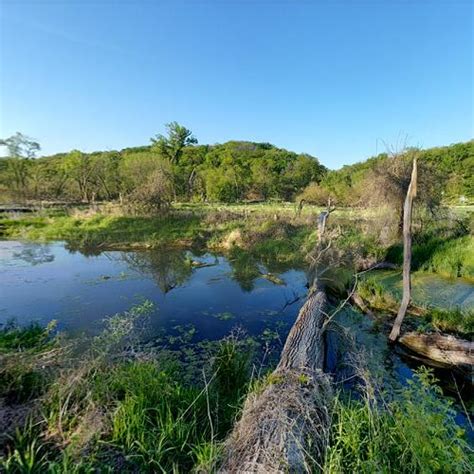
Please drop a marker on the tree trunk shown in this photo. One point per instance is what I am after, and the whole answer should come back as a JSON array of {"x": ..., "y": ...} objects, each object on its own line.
[
  {"x": 407, "y": 210},
  {"x": 446, "y": 350},
  {"x": 284, "y": 425}
]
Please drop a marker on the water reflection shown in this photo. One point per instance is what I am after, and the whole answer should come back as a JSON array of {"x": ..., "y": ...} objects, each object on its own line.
[
  {"x": 210, "y": 292},
  {"x": 30, "y": 254},
  {"x": 168, "y": 268}
]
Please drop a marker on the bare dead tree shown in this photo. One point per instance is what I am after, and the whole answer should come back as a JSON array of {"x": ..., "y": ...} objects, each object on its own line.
[
  {"x": 300, "y": 207},
  {"x": 407, "y": 253},
  {"x": 322, "y": 220}
]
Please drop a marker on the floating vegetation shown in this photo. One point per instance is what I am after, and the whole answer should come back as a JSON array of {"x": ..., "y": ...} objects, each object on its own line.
[{"x": 225, "y": 316}]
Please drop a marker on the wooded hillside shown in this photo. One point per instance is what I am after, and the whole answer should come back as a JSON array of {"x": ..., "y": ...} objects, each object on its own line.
[
  {"x": 450, "y": 168},
  {"x": 175, "y": 167}
]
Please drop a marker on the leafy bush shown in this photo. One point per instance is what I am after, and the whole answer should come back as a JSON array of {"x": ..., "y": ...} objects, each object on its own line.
[{"x": 414, "y": 433}]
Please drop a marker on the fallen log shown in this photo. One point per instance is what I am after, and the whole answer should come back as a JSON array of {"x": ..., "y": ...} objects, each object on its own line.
[
  {"x": 284, "y": 425},
  {"x": 443, "y": 349},
  {"x": 357, "y": 300}
]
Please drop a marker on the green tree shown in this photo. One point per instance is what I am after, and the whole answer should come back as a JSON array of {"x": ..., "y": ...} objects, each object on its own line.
[
  {"x": 172, "y": 146},
  {"x": 81, "y": 168},
  {"x": 221, "y": 185},
  {"x": 156, "y": 192},
  {"x": 21, "y": 149},
  {"x": 299, "y": 174}
]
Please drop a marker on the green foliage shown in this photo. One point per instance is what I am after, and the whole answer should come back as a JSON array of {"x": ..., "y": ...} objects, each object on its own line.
[
  {"x": 173, "y": 145},
  {"x": 450, "y": 256},
  {"x": 33, "y": 336},
  {"x": 28, "y": 455},
  {"x": 227, "y": 172},
  {"x": 452, "y": 320},
  {"x": 231, "y": 366},
  {"x": 416, "y": 432},
  {"x": 453, "y": 258},
  {"x": 107, "y": 412},
  {"x": 156, "y": 419},
  {"x": 22, "y": 375},
  {"x": 372, "y": 291},
  {"x": 452, "y": 166}
]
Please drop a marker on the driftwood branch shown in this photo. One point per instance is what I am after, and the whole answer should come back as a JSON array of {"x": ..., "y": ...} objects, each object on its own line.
[{"x": 407, "y": 211}]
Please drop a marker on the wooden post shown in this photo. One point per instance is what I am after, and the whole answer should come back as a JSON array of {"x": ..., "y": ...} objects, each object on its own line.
[{"x": 407, "y": 211}]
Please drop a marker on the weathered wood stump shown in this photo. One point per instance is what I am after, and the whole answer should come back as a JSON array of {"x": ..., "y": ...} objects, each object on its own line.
[{"x": 284, "y": 425}]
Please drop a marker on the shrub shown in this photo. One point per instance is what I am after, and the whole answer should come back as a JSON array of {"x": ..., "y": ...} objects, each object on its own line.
[{"x": 416, "y": 432}]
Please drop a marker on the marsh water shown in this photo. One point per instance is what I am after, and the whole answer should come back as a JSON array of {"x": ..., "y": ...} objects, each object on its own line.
[
  {"x": 432, "y": 290},
  {"x": 196, "y": 297},
  {"x": 206, "y": 295}
]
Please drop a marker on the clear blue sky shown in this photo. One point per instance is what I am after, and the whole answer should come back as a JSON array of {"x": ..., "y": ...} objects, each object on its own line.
[{"x": 330, "y": 78}]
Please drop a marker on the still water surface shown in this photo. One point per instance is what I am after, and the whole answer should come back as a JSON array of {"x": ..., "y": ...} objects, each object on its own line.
[
  {"x": 41, "y": 282},
  {"x": 203, "y": 297}
]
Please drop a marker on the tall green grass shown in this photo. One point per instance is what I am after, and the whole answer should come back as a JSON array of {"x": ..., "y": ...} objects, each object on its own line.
[
  {"x": 453, "y": 258},
  {"x": 26, "y": 356},
  {"x": 452, "y": 320},
  {"x": 414, "y": 433},
  {"x": 114, "y": 411}
]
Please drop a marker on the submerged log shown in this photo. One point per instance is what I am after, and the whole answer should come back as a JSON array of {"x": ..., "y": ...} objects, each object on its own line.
[
  {"x": 443, "y": 349},
  {"x": 284, "y": 425}
]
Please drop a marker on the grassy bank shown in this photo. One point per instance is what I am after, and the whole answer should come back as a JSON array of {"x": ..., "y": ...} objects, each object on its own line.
[
  {"x": 271, "y": 232},
  {"x": 448, "y": 256},
  {"x": 283, "y": 240},
  {"x": 385, "y": 301},
  {"x": 112, "y": 409}
]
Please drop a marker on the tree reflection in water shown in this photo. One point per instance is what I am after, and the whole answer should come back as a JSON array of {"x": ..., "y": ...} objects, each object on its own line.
[
  {"x": 34, "y": 254},
  {"x": 168, "y": 267}
]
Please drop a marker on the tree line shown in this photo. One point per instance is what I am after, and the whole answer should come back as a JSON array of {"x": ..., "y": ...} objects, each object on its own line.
[
  {"x": 172, "y": 168},
  {"x": 446, "y": 174}
]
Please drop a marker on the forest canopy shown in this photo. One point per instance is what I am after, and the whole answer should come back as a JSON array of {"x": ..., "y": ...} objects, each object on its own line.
[
  {"x": 447, "y": 170},
  {"x": 176, "y": 168}
]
